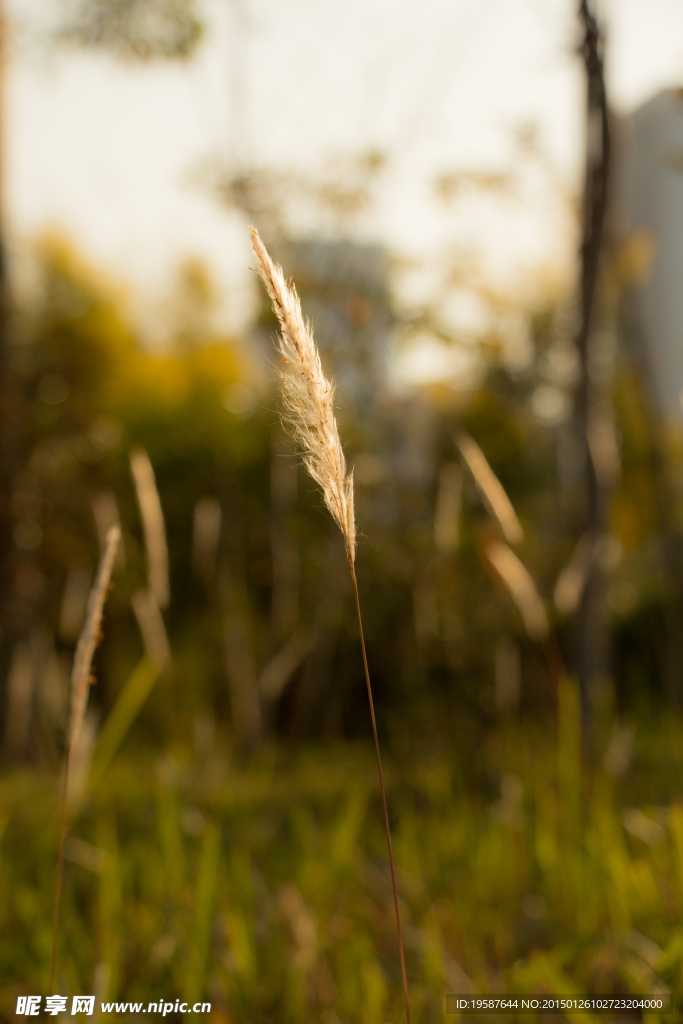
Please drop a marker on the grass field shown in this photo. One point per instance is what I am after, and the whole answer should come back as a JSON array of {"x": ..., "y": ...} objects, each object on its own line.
[{"x": 264, "y": 886}]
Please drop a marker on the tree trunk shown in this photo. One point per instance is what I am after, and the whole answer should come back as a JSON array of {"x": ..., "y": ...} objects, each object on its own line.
[{"x": 590, "y": 628}]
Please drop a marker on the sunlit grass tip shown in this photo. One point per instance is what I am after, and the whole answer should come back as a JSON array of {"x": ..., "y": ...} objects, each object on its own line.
[{"x": 307, "y": 398}]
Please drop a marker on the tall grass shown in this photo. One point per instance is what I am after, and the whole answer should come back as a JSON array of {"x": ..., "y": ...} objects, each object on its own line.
[
  {"x": 309, "y": 413},
  {"x": 147, "y": 606}
]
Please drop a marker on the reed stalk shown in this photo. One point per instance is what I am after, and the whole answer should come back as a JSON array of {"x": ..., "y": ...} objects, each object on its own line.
[
  {"x": 522, "y": 589},
  {"x": 309, "y": 414},
  {"x": 491, "y": 489},
  {"x": 80, "y": 686},
  {"x": 152, "y": 524},
  {"x": 508, "y": 566}
]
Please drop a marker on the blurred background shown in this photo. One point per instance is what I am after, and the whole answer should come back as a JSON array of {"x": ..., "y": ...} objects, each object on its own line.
[{"x": 481, "y": 206}]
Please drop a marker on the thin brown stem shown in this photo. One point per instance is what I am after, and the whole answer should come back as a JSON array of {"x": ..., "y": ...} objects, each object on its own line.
[
  {"x": 382, "y": 790},
  {"x": 60, "y": 873},
  {"x": 80, "y": 686}
]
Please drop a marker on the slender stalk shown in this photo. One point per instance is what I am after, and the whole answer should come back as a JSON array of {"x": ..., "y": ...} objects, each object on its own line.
[
  {"x": 152, "y": 524},
  {"x": 382, "y": 790},
  {"x": 60, "y": 874},
  {"x": 80, "y": 686}
]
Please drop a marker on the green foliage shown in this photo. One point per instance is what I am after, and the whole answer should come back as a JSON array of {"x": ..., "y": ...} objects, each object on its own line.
[
  {"x": 435, "y": 613},
  {"x": 92, "y": 392},
  {"x": 266, "y": 889}
]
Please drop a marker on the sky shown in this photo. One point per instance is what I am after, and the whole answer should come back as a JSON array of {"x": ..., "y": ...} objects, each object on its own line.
[{"x": 112, "y": 155}]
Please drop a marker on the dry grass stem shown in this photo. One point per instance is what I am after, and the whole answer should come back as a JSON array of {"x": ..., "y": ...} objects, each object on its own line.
[
  {"x": 307, "y": 398},
  {"x": 448, "y": 504},
  {"x": 491, "y": 489},
  {"x": 152, "y": 524},
  {"x": 310, "y": 416},
  {"x": 572, "y": 580},
  {"x": 206, "y": 531},
  {"x": 105, "y": 509},
  {"x": 284, "y": 663},
  {"x": 79, "y": 764},
  {"x": 152, "y": 628},
  {"x": 522, "y": 588},
  {"x": 90, "y": 635},
  {"x": 80, "y": 687}
]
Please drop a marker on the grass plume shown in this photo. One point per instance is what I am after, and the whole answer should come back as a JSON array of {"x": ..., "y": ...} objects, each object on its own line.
[
  {"x": 80, "y": 688},
  {"x": 309, "y": 413},
  {"x": 308, "y": 399}
]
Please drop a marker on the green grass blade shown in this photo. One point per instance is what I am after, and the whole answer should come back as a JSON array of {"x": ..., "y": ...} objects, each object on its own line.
[
  {"x": 122, "y": 716},
  {"x": 206, "y": 891}
]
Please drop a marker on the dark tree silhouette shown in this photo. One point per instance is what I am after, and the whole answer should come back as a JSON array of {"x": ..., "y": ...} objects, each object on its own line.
[{"x": 590, "y": 625}]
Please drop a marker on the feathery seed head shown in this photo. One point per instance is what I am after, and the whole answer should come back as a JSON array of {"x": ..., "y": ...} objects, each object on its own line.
[{"x": 308, "y": 398}]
